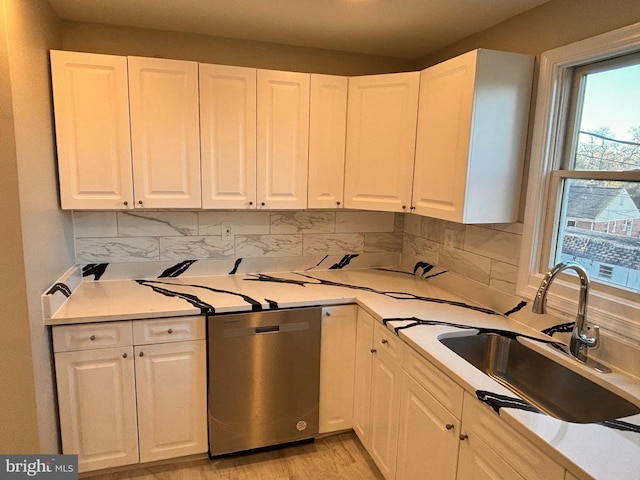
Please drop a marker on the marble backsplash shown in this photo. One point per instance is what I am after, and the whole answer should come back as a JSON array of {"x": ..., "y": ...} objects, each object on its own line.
[
  {"x": 487, "y": 254},
  {"x": 143, "y": 243}
]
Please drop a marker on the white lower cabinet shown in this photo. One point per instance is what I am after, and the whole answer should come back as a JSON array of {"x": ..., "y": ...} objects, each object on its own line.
[
  {"x": 170, "y": 388},
  {"x": 97, "y": 403},
  {"x": 337, "y": 367},
  {"x": 124, "y": 398},
  {"x": 418, "y": 424},
  {"x": 486, "y": 439},
  {"x": 428, "y": 441},
  {"x": 377, "y": 391}
]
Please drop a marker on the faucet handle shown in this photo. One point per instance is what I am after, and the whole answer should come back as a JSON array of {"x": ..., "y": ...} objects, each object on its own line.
[{"x": 591, "y": 342}]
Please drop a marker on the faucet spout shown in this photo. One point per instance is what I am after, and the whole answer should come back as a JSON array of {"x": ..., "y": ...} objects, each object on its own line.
[{"x": 580, "y": 339}]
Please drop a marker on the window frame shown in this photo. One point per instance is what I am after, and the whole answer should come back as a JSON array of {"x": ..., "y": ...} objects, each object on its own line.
[{"x": 609, "y": 307}]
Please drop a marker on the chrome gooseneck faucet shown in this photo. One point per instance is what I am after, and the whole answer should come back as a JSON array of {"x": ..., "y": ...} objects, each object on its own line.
[{"x": 580, "y": 340}]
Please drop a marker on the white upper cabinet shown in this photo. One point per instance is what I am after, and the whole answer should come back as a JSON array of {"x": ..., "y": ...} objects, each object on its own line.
[
  {"x": 165, "y": 132},
  {"x": 327, "y": 136},
  {"x": 228, "y": 136},
  {"x": 283, "y": 139},
  {"x": 92, "y": 130},
  {"x": 381, "y": 132},
  {"x": 472, "y": 127}
]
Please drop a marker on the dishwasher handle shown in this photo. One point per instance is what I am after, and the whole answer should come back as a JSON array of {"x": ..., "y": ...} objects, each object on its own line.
[{"x": 268, "y": 329}]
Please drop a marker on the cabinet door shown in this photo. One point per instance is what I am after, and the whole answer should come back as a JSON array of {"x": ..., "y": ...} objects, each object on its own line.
[
  {"x": 337, "y": 367},
  {"x": 283, "y": 139},
  {"x": 91, "y": 105},
  {"x": 483, "y": 427},
  {"x": 381, "y": 133},
  {"x": 171, "y": 389},
  {"x": 428, "y": 438},
  {"x": 477, "y": 461},
  {"x": 327, "y": 136},
  {"x": 386, "y": 382},
  {"x": 362, "y": 385},
  {"x": 471, "y": 135},
  {"x": 97, "y": 404},
  {"x": 228, "y": 136},
  {"x": 165, "y": 132},
  {"x": 444, "y": 126}
]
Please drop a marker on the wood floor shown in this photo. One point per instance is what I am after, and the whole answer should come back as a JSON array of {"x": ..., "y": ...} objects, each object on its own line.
[{"x": 334, "y": 457}]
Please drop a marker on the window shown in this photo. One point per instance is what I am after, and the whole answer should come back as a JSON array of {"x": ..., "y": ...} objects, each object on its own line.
[
  {"x": 601, "y": 144},
  {"x": 584, "y": 175}
]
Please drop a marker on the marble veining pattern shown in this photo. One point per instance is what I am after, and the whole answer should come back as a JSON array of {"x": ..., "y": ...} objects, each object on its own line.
[
  {"x": 91, "y": 250},
  {"x": 382, "y": 242},
  {"x": 195, "y": 247},
  {"x": 94, "y": 224},
  {"x": 333, "y": 243},
  {"x": 268, "y": 245},
  {"x": 351, "y": 222},
  {"x": 156, "y": 224},
  {"x": 303, "y": 222}
]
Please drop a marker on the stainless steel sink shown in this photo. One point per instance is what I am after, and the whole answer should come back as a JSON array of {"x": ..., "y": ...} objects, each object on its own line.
[{"x": 546, "y": 384}]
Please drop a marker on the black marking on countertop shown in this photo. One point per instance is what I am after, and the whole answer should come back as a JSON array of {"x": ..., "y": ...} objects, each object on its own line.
[
  {"x": 498, "y": 401},
  {"x": 177, "y": 270},
  {"x": 391, "y": 294},
  {"x": 204, "y": 307},
  {"x": 262, "y": 277},
  {"x": 318, "y": 264},
  {"x": 273, "y": 305},
  {"x": 480, "y": 330},
  {"x": 193, "y": 299},
  {"x": 235, "y": 266},
  {"x": 560, "y": 328},
  {"x": 344, "y": 261},
  {"x": 517, "y": 308},
  {"x": 95, "y": 269},
  {"x": 59, "y": 287}
]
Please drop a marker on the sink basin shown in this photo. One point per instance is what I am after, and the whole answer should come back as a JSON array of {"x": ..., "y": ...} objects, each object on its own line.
[{"x": 546, "y": 384}]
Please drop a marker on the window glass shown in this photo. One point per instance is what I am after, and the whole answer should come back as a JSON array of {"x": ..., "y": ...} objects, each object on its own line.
[
  {"x": 608, "y": 128},
  {"x": 599, "y": 218}
]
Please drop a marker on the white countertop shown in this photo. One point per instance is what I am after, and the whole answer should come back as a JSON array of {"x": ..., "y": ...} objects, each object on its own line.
[{"x": 587, "y": 450}]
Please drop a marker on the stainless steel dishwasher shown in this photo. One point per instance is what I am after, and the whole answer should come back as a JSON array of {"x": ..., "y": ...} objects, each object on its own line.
[{"x": 264, "y": 376}]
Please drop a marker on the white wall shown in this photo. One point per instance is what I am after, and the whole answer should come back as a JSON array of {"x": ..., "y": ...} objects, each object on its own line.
[{"x": 33, "y": 29}]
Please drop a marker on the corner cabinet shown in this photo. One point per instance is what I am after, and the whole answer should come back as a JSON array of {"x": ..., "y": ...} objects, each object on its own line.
[
  {"x": 91, "y": 100},
  {"x": 129, "y": 394},
  {"x": 282, "y": 139},
  {"x": 381, "y": 132},
  {"x": 472, "y": 127}
]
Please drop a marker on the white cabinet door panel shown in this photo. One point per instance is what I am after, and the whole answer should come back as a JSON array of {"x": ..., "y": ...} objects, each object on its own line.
[
  {"x": 362, "y": 385},
  {"x": 381, "y": 133},
  {"x": 337, "y": 367},
  {"x": 283, "y": 139},
  {"x": 171, "y": 390},
  {"x": 327, "y": 137},
  {"x": 228, "y": 136},
  {"x": 165, "y": 132},
  {"x": 91, "y": 101},
  {"x": 97, "y": 404},
  {"x": 428, "y": 438}
]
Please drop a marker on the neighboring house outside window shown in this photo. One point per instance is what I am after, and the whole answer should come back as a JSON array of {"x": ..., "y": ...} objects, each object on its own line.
[{"x": 584, "y": 183}]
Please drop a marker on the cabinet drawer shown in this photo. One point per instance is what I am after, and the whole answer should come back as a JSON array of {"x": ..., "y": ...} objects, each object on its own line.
[
  {"x": 384, "y": 340},
  {"x": 89, "y": 336},
  {"x": 529, "y": 461},
  {"x": 434, "y": 381},
  {"x": 163, "y": 330}
]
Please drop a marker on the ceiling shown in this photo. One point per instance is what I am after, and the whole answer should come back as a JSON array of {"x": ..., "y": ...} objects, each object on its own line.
[{"x": 407, "y": 29}]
